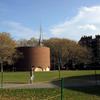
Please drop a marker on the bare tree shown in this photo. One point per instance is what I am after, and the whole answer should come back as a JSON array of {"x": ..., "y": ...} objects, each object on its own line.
[
  {"x": 30, "y": 42},
  {"x": 70, "y": 51}
]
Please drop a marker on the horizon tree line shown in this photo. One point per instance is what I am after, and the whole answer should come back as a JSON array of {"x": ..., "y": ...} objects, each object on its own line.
[{"x": 72, "y": 54}]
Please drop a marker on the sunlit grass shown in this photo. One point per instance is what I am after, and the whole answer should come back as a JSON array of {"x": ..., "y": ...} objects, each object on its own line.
[
  {"x": 87, "y": 93},
  {"x": 24, "y": 77}
]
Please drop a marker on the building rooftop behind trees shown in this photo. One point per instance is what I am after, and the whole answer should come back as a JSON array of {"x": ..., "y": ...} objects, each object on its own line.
[{"x": 94, "y": 44}]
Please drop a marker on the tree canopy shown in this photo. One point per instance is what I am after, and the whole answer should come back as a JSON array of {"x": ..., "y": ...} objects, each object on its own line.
[
  {"x": 7, "y": 48},
  {"x": 31, "y": 42},
  {"x": 70, "y": 51}
]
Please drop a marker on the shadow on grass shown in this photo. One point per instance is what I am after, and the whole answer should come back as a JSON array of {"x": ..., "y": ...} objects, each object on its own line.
[{"x": 89, "y": 84}]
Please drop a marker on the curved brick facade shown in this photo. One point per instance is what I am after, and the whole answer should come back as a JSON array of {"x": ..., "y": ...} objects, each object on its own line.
[
  {"x": 37, "y": 57},
  {"x": 23, "y": 63},
  {"x": 40, "y": 57}
]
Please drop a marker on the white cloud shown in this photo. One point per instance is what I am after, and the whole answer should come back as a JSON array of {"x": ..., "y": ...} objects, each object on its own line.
[
  {"x": 19, "y": 31},
  {"x": 86, "y": 22},
  {"x": 88, "y": 27}
]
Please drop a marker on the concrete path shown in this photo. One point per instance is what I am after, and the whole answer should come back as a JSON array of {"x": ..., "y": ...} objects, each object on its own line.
[
  {"x": 29, "y": 86},
  {"x": 51, "y": 85}
]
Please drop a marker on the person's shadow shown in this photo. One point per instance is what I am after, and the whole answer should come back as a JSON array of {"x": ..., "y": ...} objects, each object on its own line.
[{"x": 89, "y": 84}]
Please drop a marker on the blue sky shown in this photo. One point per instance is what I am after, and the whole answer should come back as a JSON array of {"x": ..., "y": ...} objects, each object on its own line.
[{"x": 59, "y": 18}]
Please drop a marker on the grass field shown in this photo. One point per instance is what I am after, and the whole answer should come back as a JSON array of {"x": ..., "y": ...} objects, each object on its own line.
[
  {"x": 69, "y": 93},
  {"x": 24, "y": 77},
  {"x": 87, "y": 93}
]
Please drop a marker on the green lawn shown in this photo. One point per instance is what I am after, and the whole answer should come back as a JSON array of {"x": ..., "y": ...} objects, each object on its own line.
[
  {"x": 83, "y": 93},
  {"x": 24, "y": 77},
  {"x": 87, "y": 93}
]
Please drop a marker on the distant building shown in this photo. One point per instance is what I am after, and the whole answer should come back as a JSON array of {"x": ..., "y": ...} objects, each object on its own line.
[
  {"x": 35, "y": 58},
  {"x": 94, "y": 44}
]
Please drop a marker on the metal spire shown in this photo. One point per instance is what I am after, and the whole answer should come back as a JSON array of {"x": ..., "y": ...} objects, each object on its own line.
[{"x": 40, "y": 38}]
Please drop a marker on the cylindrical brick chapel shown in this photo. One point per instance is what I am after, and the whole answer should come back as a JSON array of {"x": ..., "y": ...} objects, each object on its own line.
[{"x": 40, "y": 58}]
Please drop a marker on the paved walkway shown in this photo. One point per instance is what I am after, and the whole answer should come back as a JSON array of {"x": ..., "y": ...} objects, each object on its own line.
[
  {"x": 28, "y": 86},
  {"x": 75, "y": 83}
]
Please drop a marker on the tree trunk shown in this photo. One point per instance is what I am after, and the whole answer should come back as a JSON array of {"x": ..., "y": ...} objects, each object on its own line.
[{"x": 1, "y": 74}]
